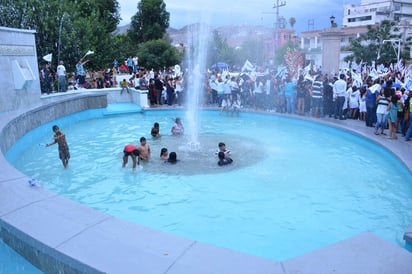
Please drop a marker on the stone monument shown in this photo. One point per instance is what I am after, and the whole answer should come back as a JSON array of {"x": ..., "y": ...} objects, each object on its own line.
[
  {"x": 19, "y": 80},
  {"x": 331, "y": 44}
]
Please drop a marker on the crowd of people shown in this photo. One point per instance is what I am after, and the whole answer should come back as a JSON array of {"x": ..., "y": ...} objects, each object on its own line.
[
  {"x": 350, "y": 94},
  {"x": 380, "y": 100}
]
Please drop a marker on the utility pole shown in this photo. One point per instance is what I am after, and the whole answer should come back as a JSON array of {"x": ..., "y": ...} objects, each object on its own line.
[{"x": 276, "y": 6}]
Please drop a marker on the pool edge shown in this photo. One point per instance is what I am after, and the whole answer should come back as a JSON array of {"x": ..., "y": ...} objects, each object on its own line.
[{"x": 111, "y": 245}]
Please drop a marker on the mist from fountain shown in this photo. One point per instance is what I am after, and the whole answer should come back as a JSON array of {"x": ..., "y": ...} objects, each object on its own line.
[{"x": 195, "y": 58}]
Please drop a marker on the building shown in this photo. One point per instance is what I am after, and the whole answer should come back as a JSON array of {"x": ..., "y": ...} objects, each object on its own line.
[
  {"x": 354, "y": 23},
  {"x": 372, "y": 12}
]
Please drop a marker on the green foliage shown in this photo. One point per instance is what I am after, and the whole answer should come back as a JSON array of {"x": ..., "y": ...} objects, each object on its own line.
[
  {"x": 158, "y": 54},
  {"x": 67, "y": 29},
  {"x": 252, "y": 50},
  {"x": 371, "y": 47},
  {"x": 218, "y": 50},
  {"x": 150, "y": 22},
  {"x": 280, "y": 53}
]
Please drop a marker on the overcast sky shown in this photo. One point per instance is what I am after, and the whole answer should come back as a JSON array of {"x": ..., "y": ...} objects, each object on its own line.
[{"x": 251, "y": 12}]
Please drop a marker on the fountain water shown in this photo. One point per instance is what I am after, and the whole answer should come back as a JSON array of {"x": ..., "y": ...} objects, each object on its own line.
[{"x": 196, "y": 56}]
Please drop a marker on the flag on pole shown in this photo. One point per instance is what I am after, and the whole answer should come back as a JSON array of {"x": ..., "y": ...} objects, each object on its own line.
[
  {"x": 48, "y": 57},
  {"x": 87, "y": 53}
]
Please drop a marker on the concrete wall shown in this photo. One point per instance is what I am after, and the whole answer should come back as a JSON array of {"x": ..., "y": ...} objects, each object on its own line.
[
  {"x": 33, "y": 118},
  {"x": 19, "y": 81}
]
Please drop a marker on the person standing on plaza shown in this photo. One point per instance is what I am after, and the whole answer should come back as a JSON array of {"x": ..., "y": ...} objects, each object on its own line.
[
  {"x": 170, "y": 90},
  {"x": 129, "y": 62},
  {"x": 81, "y": 73},
  {"x": 339, "y": 93},
  {"x": 383, "y": 101},
  {"x": 48, "y": 78},
  {"x": 159, "y": 85},
  {"x": 327, "y": 97},
  {"x": 372, "y": 93},
  {"x": 290, "y": 95},
  {"x": 61, "y": 76},
  {"x": 135, "y": 60},
  {"x": 317, "y": 100}
]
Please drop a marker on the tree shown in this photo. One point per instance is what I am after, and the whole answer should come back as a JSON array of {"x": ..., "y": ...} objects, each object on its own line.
[
  {"x": 292, "y": 22},
  {"x": 253, "y": 50},
  {"x": 371, "y": 47},
  {"x": 65, "y": 28},
  {"x": 219, "y": 50},
  {"x": 150, "y": 22},
  {"x": 158, "y": 54},
  {"x": 280, "y": 53}
]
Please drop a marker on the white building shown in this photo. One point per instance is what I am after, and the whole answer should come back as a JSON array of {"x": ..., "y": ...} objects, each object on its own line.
[
  {"x": 372, "y": 12},
  {"x": 354, "y": 23}
]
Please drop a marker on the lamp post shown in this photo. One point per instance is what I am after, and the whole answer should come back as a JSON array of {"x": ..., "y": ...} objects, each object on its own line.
[
  {"x": 60, "y": 32},
  {"x": 58, "y": 46},
  {"x": 332, "y": 22},
  {"x": 276, "y": 6}
]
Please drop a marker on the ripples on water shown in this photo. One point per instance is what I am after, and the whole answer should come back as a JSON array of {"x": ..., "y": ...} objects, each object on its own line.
[{"x": 294, "y": 186}]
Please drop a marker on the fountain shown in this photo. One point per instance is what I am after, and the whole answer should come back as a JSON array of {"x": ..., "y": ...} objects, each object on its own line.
[{"x": 196, "y": 56}]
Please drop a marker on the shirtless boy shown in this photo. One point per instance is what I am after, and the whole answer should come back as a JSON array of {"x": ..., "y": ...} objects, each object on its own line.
[
  {"x": 60, "y": 139},
  {"x": 144, "y": 149}
]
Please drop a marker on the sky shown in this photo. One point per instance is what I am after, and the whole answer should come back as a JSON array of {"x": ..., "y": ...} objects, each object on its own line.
[{"x": 246, "y": 12}]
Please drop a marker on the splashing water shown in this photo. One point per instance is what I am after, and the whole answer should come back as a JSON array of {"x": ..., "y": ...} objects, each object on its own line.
[{"x": 196, "y": 56}]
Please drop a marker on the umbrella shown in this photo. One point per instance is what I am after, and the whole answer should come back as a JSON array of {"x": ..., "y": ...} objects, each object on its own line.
[{"x": 220, "y": 65}]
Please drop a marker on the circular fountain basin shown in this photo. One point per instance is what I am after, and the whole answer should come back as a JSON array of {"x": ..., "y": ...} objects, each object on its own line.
[{"x": 289, "y": 179}]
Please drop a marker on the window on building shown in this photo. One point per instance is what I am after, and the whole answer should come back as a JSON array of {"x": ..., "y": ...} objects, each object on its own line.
[
  {"x": 360, "y": 19},
  {"x": 397, "y": 6}
]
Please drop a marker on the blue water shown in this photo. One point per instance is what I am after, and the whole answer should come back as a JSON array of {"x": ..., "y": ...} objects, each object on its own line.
[
  {"x": 294, "y": 186},
  {"x": 12, "y": 262}
]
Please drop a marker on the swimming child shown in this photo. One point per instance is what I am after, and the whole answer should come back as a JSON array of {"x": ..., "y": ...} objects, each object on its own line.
[
  {"x": 60, "y": 139},
  {"x": 222, "y": 148},
  {"x": 164, "y": 154},
  {"x": 223, "y": 159},
  {"x": 155, "y": 130},
  {"x": 172, "y": 158},
  {"x": 132, "y": 151},
  {"x": 177, "y": 128}
]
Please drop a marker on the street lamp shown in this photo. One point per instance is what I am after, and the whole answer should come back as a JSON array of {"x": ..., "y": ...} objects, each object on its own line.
[
  {"x": 332, "y": 22},
  {"x": 60, "y": 33}
]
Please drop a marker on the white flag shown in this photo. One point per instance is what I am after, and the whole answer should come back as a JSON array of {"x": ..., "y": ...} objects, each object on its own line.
[
  {"x": 89, "y": 52},
  {"x": 48, "y": 57}
]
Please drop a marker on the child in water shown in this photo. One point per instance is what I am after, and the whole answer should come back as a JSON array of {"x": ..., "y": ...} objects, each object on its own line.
[
  {"x": 177, "y": 128},
  {"x": 224, "y": 160},
  {"x": 155, "y": 130},
  {"x": 164, "y": 154},
  {"x": 60, "y": 139}
]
